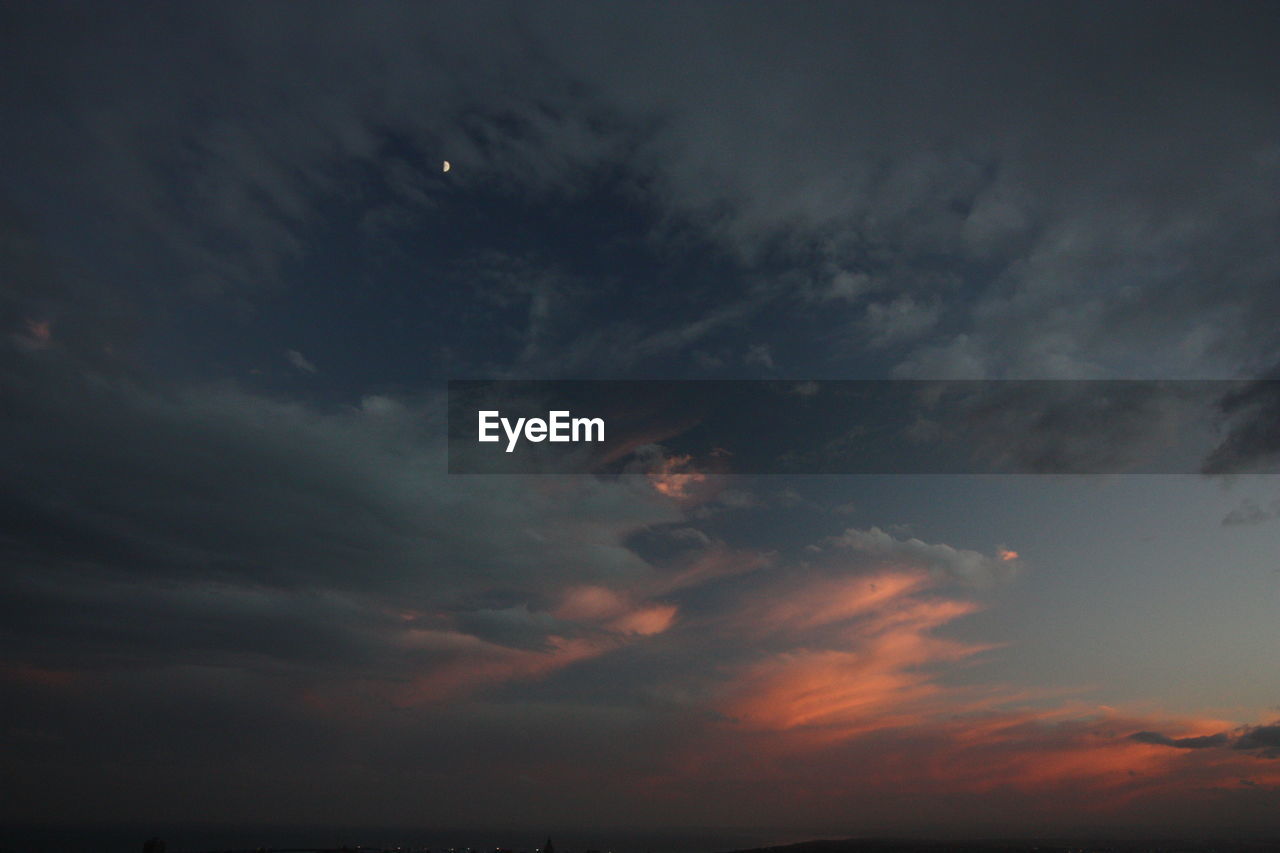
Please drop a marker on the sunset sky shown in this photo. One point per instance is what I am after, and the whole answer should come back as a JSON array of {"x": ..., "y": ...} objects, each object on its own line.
[{"x": 238, "y": 585}]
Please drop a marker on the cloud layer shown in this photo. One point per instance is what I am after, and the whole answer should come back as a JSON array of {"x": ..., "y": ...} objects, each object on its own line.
[{"x": 236, "y": 582}]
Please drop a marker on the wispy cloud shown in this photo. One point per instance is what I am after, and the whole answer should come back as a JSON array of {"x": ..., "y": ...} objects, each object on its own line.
[{"x": 299, "y": 361}]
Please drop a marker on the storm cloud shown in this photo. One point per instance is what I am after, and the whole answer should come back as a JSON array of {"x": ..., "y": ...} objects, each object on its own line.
[{"x": 237, "y": 582}]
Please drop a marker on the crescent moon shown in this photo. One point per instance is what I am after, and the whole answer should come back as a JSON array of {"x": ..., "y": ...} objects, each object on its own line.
[{"x": 446, "y": 167}]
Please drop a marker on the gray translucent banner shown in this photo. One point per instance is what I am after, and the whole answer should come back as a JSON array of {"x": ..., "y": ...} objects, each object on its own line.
[{"x": 864, "y": 427}]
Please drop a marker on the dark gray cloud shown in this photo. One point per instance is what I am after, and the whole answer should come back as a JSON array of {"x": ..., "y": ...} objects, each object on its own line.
[
  {"x": 1265, "y": 739},
  {"x": 231, "y": 269},
  {"x": 1252, "y": 442},
  {"x": 1203, "y": 742},
  {"x": 1249, "y": 512},
  {"x": 212, "y": 523},
  {"x": 1262, "y": 740},
  {"x": 1019, "y": 191},
  {"x": 1070, "y": 426}
]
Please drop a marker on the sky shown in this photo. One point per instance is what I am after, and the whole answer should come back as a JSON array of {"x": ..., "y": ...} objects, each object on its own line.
[{"x": 238, "y": 585}]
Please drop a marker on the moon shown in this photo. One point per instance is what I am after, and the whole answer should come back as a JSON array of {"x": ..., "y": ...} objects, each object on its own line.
[{"x": 446, "y": 167}]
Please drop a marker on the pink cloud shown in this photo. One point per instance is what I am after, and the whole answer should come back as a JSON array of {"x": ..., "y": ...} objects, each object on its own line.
[
  {"x": 676, "y": 477},
  {"x": 809, "y": 693}
]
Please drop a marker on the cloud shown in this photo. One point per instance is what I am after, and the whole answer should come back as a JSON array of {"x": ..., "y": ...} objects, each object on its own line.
[
  {"x": 674, "y": 476},
  {"x": 665, "y": 544},
  {"x": 849, "y": 286},
  {"x": 185, "y": 512},
  {"x": 299, "y": 361},
  {"x": 724, "y": 672},
  {"x": 210, "y": 571},
  {"x": 834, "y": 683},
  {"x": 1202, "y": 742},
  {"x": 880, "y": 659},
  {"x": 1253, "y": 441},
  {"x": 940, "y": 559},
  {"x": 1070, "y": 426},
  {"x": 1263, "y": 740},
  {"x": 1034, "y": 229},
  {"x": 38, "y": 332},
  {"x": 759, "y": 354},
  {"x": 901, "y": 321},
  {"x": 1250, "y": 513}
]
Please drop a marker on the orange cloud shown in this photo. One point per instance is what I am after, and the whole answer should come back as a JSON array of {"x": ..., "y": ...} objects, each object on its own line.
[
  {"x": 645, "y": 621},
  {"x": 615, "y": 611},
  {"x": 878, "y": 650},
  {"x": 816, "y": 692},
  {"x": 590, "y": 604},
  {"x": 675, "y": 478},
  {"x": 453, "y": 664},
  {"x": 848, "y": 701},
  {"x": 712, "y": 564},
  {"x": 827, "y": 601},
  {"x": 480, "y": 664}
]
